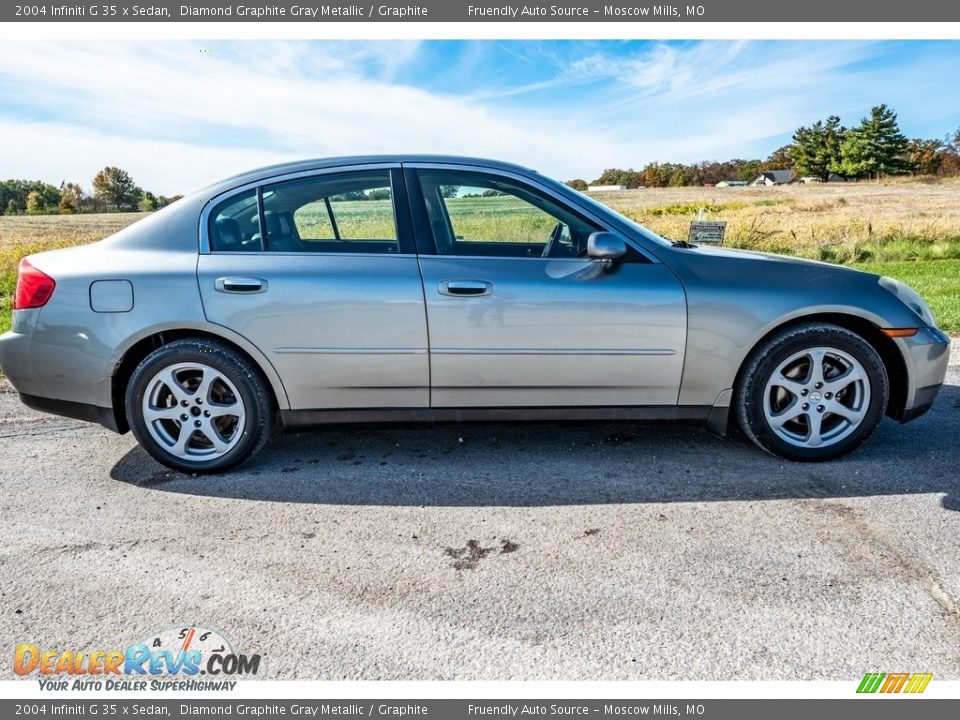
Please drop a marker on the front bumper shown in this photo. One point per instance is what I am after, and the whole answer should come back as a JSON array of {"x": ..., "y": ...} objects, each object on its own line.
[{"x": 926, "y": 355}]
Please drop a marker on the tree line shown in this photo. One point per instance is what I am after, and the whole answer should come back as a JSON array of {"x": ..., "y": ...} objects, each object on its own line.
[
  {"x": 112, "y": 190},
  {"x": 874, "y": 148}
]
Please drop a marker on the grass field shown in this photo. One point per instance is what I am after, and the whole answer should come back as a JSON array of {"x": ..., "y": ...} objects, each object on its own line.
[
  {"x": 908, "y": 230},
  {"x": 839, "y": 222}
]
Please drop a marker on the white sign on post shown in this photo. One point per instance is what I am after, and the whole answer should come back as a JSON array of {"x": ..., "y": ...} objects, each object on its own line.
[{"x": 707, "y": 232}]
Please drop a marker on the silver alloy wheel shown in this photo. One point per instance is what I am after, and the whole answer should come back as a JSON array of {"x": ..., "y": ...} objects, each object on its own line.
[
  {"x": 193, "y": 411},
  {"x": 816, "y": 397}
]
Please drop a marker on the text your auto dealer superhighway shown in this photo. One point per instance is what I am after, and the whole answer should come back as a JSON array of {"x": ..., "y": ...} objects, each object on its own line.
[{"x": 303, "y": 12}]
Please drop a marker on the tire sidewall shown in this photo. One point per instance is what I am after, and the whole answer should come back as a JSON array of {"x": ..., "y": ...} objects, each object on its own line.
[
  {"x": 751, "y": 399},
  {"x": 222, "y": 360}
]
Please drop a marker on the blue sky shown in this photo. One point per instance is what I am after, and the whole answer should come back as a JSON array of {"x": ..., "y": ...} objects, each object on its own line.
[{"x": 178, "y": 115}]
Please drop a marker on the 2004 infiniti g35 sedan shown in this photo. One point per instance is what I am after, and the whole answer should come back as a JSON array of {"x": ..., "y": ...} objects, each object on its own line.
[{"x": 440, "y": 288}]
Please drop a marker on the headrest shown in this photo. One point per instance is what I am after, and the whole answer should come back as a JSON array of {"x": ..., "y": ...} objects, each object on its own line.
[
  {"x": 228, "y": 234},
  {"x": 278, "y": 223}
]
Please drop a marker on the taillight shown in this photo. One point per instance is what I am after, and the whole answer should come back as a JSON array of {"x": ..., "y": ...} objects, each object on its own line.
[{"x": 34, "y": 288}]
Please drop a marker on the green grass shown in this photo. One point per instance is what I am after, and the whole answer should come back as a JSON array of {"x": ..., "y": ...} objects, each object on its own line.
[
  {"x": 938, "y": 281},
  {"x": 8, "y": 280},
  {"x": 692, "y": 209},
  {"x": 356, "y": 220}
]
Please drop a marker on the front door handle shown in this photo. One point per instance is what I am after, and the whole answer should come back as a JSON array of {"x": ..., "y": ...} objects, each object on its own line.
[
  {"x": 242, "y": 285},
  {"x": 466, "y": 288}
]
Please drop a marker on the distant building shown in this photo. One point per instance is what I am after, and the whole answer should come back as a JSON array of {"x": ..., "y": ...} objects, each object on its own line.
[
  {"x": 604, "y": 188},
  {"x": 731, "y": 183},
  {"x": 833, "y": 177},
  {"x": 770, "y": 178}
]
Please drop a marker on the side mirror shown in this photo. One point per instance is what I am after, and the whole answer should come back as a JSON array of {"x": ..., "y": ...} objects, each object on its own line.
[{"x": 606, "y": 246}]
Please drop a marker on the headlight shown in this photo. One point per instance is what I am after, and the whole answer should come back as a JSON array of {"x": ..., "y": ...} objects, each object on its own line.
[{"x": 909, "y": 297}]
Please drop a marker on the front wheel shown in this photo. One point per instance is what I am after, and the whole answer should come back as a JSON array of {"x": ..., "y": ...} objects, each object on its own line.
[
  {"x": 814, "y": 392},
  {"x": 198, "y": 406}
]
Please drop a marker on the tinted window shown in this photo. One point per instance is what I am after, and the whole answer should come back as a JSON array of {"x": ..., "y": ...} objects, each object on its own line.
[
  {"x": 233, "y": 224},
  {"x": 486, "y": 215},
  {"x": 341, "y": 213},
  {"x": 349, "y": 212}
]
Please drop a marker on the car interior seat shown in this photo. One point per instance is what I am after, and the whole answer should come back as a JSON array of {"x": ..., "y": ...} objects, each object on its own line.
[
  {"x": 281, "y": 232},
  {"x": 228, "y": 235}
]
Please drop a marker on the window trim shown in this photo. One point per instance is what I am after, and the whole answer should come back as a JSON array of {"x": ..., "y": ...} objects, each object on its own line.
[
  {"x": 264, "y": 236},
  {"x": 405, "y": 236},
  {"x": 429, "y": 246}
]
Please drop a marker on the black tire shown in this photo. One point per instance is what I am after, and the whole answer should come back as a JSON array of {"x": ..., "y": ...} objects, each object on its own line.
[
  {"x": 751, "y": 396},
  {"x": 257, "y": 403}
]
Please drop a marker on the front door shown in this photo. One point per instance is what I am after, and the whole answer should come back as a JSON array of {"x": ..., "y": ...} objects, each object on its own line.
[
  {"x": 319, "y": 274},
  {"x": 520, "y": 317}
]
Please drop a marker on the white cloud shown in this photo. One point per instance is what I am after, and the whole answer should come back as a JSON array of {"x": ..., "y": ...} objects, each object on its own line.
[
  {"x": 55, "y": 152},
  {"x": 175, "y": 117},
  {"x": 178, "y": 115}
]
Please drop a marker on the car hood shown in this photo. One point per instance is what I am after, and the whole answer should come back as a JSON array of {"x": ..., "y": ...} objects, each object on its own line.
[
  {"x": 750, "y": 270},
  {"x": 780, "y": 287},
  {"x": 755, "y": 255}
]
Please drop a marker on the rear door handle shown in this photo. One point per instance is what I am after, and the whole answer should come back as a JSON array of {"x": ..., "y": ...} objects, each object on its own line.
[
  {"x": 247, "y": 285},
  {"x": 466, "y": 288}
]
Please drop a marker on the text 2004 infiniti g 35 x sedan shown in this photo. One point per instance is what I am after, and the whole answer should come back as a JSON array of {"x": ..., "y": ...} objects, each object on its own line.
[{"x": 440, "y": 288}]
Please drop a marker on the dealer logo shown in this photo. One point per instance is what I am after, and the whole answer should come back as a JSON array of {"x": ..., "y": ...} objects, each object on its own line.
[
  {"x": 887, "y": 683},
  {"x": 179, "y": 652}
]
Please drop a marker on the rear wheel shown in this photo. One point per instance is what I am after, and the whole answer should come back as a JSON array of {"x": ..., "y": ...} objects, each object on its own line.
[
  {"x": 199, "y": 406},
  {"x": 813, "y": 392}
]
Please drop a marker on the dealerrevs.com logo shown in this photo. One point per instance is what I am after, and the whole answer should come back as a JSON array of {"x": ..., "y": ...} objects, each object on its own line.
[
  {"x": 888, "y": 683},
  {"x": 173, "y": 659}
]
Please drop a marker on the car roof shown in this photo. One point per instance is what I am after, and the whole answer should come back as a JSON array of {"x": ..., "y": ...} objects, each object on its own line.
[{"x": 346, "y": 161}]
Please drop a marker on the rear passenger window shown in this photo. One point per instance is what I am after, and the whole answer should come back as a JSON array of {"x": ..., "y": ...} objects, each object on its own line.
[
  {"x": 336, "y": 213},
  {"x": 347, "y": 213}
]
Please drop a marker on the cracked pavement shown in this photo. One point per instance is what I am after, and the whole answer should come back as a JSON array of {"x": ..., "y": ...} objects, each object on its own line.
[{"x": 551, "y": 551}]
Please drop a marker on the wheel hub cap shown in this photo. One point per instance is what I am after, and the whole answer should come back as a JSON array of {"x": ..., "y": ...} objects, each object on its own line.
[
  {"x": 212, "y": 425},
  {"x": 816, "y": 397}
]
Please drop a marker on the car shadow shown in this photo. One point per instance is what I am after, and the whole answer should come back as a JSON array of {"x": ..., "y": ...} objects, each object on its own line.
[{"x": 544, "y": 464}]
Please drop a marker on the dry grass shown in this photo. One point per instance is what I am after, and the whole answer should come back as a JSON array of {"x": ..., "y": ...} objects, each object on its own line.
[
  {"x": 839, "y": 222},
  {"x": 22, "y": 236}
]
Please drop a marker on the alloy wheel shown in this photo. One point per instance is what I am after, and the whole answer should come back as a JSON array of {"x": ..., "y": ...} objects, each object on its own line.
[
  {"x": 816, "y": 397},
  {"x": 193, "y": 411}
]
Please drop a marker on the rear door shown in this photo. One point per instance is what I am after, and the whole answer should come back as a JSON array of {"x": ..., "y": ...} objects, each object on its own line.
[
  {"x": 519, "y": 316},
  {"x": 320, "y": 273}
]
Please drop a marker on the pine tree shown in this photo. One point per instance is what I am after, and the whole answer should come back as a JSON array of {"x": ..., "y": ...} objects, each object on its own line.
[
  {"x": 817, "y": 148},
  {"x": 874, "y": 148}
]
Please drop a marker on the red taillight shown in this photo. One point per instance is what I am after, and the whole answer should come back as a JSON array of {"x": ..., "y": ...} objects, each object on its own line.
[{"x": 34, "y": 288}]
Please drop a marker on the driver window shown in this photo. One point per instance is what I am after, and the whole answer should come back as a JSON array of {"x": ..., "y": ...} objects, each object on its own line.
[{"x": 479, "y": 215}]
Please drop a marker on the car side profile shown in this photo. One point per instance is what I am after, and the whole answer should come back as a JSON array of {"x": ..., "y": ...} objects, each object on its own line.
[{"x": 429, "y": 288}]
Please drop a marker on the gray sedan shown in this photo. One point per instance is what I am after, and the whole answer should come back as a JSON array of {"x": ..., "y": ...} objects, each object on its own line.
[{"x": 424, "y": 288}]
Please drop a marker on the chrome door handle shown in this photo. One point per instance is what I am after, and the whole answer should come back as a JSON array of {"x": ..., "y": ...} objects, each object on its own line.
[
  {"x": 466, "y": 288},
  {"x": 248, "y": 285}
]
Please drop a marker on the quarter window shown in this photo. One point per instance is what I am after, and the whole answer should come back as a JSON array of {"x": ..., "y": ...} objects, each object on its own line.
[{"x": 234, "y": 223}]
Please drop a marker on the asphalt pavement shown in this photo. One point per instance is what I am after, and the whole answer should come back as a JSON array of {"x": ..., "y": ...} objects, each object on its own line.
[{"x": 547, "y": 551}]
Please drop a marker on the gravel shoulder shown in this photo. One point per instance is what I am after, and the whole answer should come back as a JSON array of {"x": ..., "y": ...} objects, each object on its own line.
[{"x": 555, "y": 551}]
